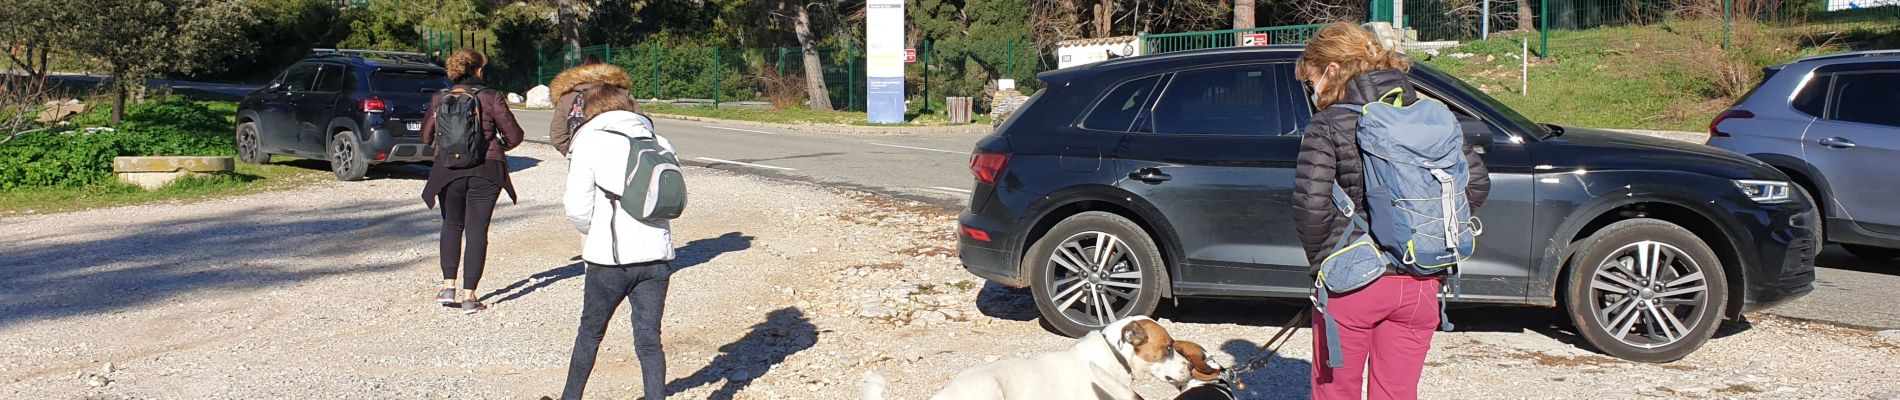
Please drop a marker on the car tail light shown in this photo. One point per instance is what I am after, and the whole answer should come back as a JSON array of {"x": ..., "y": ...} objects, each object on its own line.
[
  {"x": 381, "y": 156},
  {"x": 988, "y": 167},
  {"x": 1726, "y": 115},
  {"x": 374, "y": 105},
  {"x": 977, "y": 234}
]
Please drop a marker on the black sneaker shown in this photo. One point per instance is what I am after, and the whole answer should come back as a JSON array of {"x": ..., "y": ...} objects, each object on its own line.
[
  {"x": 472, "y": 306},
  {"x": 445, "y": 297}
]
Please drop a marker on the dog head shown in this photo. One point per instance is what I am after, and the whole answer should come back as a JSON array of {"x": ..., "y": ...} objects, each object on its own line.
[
  {"x": 1147, "y": 346},
  {"x": 1201, "y": 368}
]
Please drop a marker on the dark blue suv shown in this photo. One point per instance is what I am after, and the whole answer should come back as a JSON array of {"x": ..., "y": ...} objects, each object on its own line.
[
  {"x": 1129, "y": 181},
  {"x": 352, "y": 108}
]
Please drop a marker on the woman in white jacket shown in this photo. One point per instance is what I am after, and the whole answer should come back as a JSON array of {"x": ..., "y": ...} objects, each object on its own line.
[{"x": 630, "y": 262}]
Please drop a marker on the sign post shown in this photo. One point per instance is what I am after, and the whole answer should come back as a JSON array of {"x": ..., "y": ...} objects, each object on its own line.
[{"x": 884, "y": 61}]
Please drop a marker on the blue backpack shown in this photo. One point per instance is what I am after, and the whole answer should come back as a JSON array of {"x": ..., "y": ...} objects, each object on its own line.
[{"x": 1419, "y": 220}]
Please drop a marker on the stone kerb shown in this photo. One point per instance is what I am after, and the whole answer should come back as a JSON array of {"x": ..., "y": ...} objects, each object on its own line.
[{"x": 152, "y": 173}]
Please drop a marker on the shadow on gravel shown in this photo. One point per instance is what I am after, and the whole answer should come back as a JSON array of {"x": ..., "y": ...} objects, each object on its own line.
[
  {"x": 240, "y": 248},
  {"x": 519, "y": 163},
  {"x": 1837, "y": 258},
  {"x": 1270, "y": 314},
  {"x": 784, "y": 332},
  {"x": 694, "y": 253},
  {"x": 1282, "y": 378},
  {"x": 535, "y": 282},
  {"x": 704, "y": 250},
  {"x": 1003, "y": 302}
]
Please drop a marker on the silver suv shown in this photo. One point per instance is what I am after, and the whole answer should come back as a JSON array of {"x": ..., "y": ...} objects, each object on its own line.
[{"x": 1833, "y": 124}]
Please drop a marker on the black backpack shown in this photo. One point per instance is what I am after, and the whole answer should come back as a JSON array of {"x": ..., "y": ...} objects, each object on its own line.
[{"x": 458, "y": 129}]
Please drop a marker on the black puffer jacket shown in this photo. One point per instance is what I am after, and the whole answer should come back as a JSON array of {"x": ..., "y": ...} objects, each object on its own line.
[{"x": 1330, "y": 151}]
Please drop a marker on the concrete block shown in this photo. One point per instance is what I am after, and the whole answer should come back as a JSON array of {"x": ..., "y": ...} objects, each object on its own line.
[{"x": 152, "y": 173}]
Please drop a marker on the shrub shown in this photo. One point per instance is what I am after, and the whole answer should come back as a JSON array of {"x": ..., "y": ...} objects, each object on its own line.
[{"x": 73, "y": 157}]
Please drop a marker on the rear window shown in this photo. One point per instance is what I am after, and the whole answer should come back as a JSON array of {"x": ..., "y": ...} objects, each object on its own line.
[
  {"x": 1867, "y": 98},
  {"x": 408, "y": 81},
  {"x": 1812, "y": 99},
  {"x": 1249, "y": 100},
  {"x": 1117, "y": 111}
]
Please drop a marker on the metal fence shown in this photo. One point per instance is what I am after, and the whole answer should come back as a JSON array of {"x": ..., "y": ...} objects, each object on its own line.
[
  {"x": 1171, "y": 42},
  {"x": 728, "y": 74},
  {"x": 1864, "y": 22}
]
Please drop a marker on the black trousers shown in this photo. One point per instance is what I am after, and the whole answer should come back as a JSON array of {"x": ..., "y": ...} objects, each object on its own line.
[
  {"x": 467, "y": 205},
  {"x": 645, "y": 285}
]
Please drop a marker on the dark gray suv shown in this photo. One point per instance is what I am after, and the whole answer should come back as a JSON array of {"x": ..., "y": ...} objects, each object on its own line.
[
  {"x": 353, "y": 108},
  {"x": 1832, "y": 123},
  {"x": 1127, "y": 182}
]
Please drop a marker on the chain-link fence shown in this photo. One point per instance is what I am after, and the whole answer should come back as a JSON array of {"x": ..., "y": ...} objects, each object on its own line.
[
  {"x": 1850, "y": 23},
  {"x": 777, "y": 74}
]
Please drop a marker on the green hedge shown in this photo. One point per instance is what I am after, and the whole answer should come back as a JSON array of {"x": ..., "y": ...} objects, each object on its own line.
[{"x": 72, "y": 157}]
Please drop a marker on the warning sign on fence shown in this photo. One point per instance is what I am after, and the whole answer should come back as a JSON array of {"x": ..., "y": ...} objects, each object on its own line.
[{"x": 1257, "y": 39}]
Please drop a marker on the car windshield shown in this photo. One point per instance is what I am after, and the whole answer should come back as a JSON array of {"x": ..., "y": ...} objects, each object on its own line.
[
  {"x": 408, "y": 81},
  {"x": 1494, "y": 104}
]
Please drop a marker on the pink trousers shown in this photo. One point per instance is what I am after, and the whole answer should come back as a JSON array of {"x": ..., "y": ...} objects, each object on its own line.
[{"x": 1388, "y": 325}]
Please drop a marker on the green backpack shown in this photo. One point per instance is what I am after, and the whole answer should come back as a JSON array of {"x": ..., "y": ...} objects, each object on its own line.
[{"x": 655, "y": 187}]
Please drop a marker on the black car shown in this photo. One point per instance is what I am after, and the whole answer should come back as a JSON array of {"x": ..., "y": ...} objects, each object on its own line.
[
  {"x": 1129, "y": 181},
  {"x": 353, "y": 108}
]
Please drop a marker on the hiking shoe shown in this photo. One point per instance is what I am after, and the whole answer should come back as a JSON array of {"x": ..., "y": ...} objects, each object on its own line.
[
  {"x": 445, "y": 297},
  {"x": 472, "y": 306}
]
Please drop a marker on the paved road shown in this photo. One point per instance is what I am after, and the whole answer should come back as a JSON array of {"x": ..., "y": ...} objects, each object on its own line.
[
  {"x": 934, "y": 168},
  {"x": 1848, "y": 290},
  {"x": 222, "y": 91}
]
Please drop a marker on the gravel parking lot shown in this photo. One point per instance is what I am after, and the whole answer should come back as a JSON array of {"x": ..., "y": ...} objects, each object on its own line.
[{"x": 784, "y": 290}]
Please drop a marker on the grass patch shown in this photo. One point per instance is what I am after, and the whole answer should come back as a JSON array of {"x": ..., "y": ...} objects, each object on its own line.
[
  {"x": 277, "y": 175},
  {"x": 1672, "y": 75},
  {"x": 797, "y": 115}
]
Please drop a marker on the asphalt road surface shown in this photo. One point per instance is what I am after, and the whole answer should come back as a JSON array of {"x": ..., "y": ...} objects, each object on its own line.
[{"x": 935, "y": 168}]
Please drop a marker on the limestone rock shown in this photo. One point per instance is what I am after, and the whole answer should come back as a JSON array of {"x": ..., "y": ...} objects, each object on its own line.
[{"x": 538, "y": 98}]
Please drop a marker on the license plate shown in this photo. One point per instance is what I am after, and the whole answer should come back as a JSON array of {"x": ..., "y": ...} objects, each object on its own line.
[{"x": 415, "y": 126}]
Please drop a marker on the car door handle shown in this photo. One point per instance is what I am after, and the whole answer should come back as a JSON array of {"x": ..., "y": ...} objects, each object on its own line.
[
  {"x": 1150, "y": 175},
  {"x": 1838, "y": 142}
]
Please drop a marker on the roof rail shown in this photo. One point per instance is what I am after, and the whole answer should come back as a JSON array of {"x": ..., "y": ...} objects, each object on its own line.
[
  {"x": 391, "y": 55},
  {"x": 1852, "y": 54}
]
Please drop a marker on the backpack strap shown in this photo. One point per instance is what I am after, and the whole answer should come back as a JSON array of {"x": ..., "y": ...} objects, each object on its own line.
[{"x": 1334, "y": 357}]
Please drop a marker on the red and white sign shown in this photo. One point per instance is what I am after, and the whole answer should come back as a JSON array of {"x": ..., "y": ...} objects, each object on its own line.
[
  {"x": 910, "y": 55},
  {"x": 1257, "y": 39}
]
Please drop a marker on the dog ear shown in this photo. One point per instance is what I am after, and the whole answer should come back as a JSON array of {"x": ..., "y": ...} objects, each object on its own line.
[{"x": 1134, "y": 335}]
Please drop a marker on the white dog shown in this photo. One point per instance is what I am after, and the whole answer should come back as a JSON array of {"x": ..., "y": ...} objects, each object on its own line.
[{"x": 1100, "y": 365}]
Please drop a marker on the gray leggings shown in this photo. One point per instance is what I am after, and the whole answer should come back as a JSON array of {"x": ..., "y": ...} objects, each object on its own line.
[{"x": 645, "y": 285}]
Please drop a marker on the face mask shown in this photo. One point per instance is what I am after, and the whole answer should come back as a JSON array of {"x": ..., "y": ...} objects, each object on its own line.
[{"x": 1312, "y": 96}]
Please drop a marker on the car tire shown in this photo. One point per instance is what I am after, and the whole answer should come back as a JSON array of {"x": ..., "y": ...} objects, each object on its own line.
[
  {"x": 346, "y": 157},
  {"x": 1631, "y": 304},
  {"x": 250, "y": 150},
  {"x": 1072, "y": 279},
  {"x": 1871, "y": 252}
]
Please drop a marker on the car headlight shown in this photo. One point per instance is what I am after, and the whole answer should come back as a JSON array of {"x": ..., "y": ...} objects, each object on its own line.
[{"x": 1765, "y": 191}]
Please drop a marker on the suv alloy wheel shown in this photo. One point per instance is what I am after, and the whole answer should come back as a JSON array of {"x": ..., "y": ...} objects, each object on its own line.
[
  {"x": 1094, "y": 268},
  {"x": 1646, "y": 290},
  {"x": 248, "y": 148},
  {"x": 346, "y": 157}
]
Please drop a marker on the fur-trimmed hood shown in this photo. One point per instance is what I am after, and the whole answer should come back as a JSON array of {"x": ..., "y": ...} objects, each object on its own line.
[{"x": 606, "y": 74}]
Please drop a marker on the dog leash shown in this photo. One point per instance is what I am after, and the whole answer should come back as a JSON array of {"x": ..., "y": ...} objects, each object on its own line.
[{"x": 1263, "y": 357}]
